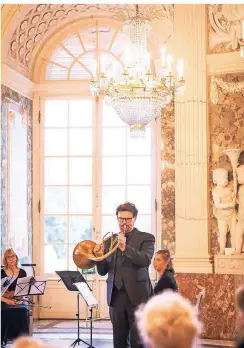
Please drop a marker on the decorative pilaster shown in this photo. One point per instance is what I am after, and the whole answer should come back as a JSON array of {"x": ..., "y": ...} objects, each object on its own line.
[{"x": 191, "y": 143}]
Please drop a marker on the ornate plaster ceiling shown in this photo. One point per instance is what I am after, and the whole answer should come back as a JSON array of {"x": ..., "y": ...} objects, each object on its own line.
[
  {"x": 41, "y": 19},
  {"x": 225, "y": 27}
]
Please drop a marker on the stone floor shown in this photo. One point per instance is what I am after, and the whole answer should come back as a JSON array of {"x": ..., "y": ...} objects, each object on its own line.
[{"x": 63, "y": 333}]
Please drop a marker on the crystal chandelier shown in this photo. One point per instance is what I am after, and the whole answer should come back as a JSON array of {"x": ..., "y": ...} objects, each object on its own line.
[{"x": 138, "y": 94}]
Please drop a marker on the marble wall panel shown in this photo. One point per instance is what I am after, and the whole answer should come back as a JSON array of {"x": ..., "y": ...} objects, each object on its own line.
[
  {"x": 168, "y": 177},
  {"x": 23, "y": 105},
  {"x": 217, "y": 311}
]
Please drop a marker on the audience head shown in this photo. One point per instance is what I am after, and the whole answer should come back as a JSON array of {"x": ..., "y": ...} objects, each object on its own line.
[
  {"x": 240, "y": 298},
  {"x": 162, "y": 261},
  {"x": 240, "y": 312},
  {"x": 168, "y": 320},
  {"x": 10, "y": 258},
  {"x": 28, "y": 342}
]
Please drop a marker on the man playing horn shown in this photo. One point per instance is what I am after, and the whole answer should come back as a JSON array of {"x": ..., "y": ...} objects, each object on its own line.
[{"x": 128, "y": 283}]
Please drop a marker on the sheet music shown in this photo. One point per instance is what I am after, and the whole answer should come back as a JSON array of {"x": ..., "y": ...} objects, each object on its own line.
[
  {"x": 30, "y": 286},
  {"x": 5, "y": 284},
  {"x": 87, "y": 294}
]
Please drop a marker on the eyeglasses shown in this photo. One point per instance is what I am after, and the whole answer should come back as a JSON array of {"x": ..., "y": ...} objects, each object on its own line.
[
  {"x": 124, "y": 219},
  {"x": 11, "y": 257}
]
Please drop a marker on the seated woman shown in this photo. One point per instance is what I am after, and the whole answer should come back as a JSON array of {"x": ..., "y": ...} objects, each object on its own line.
[
  {"x": 164, "y": 267},
  {"x": 168, "y": 320},
  {"x": 14, "y": 314}
]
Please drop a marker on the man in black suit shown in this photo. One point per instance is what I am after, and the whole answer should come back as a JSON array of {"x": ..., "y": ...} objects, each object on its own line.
[{"x": 128, "y": 283}]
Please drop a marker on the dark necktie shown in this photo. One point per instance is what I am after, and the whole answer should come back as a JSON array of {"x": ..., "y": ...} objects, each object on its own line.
[{"x": 118, "y": 277}]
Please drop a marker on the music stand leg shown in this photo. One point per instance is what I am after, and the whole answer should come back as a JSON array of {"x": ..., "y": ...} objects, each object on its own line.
[{"x": 78, "y": 340}]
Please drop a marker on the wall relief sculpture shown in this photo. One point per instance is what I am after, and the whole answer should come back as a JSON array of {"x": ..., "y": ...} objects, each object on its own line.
[
  {"x": 225, "y": 32},
  {"x": 228, "y": 198}
]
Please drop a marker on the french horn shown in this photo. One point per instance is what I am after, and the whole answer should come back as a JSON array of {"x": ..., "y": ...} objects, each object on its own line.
[{"x": 83, "y": 253}]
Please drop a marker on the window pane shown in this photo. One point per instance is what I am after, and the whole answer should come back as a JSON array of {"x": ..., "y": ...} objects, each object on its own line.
[
  {"x": 55, "y": 142},
  {"x": 109, "y": 224},
  {"x": 141, "y": 196},
  {"x": 114, "y": 141},
  {"x": 143, "y": 223},
  {"x": 139, "y": 170},
  {"x": 56, "y": 200},
  {"x": 80, "y": 200},
  {"x": 80, "y": 171},
  {"x": 80, "y": 228},
  {"x": 114, "y": 170},
  {"x": 56, "y": 171},
  {"x": 56, "y": 113},
  {"x": 139, "y": 146},
  {"x": 80, "y": 113},
  {"x": 55, "y": 258},
  {"x": 110, "y": 118},
  {"x": 80, "y": 141},
  {"x": 72, "y": 266},
  {"x": 112, "y": 196},
  {"x": 55, "y": 230}
]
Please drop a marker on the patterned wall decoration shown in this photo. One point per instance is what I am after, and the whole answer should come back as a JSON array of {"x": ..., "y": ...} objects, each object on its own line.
[
  {"x": 168, "y": 177},
  {"x": 217, "y": 312},
  {"x": 224, "y": 27},
  {"x": 44, "y": 17},
  {"x": 15, "y": 100},
  {"x": 226, "y": 131},
  {"x": 3, "y": 174}
]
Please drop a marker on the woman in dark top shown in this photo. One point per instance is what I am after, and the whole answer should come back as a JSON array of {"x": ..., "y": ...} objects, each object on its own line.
[
  {"x": 163, "y": 265},
  {"x": 14, "y": 314}
]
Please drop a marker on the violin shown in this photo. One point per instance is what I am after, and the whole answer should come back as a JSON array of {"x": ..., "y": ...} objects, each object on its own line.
[{"x": 9, "y": 295}]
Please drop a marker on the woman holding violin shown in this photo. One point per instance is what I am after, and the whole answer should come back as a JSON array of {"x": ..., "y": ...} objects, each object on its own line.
[{"x": 14, "y": 313}]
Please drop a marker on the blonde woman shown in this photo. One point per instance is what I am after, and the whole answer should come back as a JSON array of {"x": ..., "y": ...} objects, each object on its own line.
[
  {"x": 14, "y": 314},
  {"x": 168, "y": 320}
]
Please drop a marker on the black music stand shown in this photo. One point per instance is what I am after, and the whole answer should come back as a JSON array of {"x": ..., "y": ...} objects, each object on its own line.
[
  {"x": 30, "y": 286},
  {"x": 74, "y": 281}
]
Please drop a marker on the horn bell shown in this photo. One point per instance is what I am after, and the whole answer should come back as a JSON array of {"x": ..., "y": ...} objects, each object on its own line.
[{"x": 83, "y": 253}]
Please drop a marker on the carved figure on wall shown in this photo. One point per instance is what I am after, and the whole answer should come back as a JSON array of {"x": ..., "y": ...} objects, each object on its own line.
[
  {"x": 224, "y": 207},
  {"x": 226, "y": 25},
  {"x": 240, "y": 216}
]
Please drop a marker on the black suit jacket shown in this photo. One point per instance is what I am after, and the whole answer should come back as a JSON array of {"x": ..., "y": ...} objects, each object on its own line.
[{"x": 136, "y": 260}]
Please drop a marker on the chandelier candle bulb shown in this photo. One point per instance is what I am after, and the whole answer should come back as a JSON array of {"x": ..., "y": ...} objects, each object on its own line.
[
  {"x": 103, "y": 64},
  {"x": 169, "y": 63},
  {"x": 180, "y": 69},
  {"x": 163, "y": 55},
  {"x": 94, "y": 68},
  {"x": 148, "y": 61}
]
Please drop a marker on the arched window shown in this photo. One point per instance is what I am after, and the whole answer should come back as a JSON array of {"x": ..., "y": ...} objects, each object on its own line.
[
  {"x": 74, "y": 57},
  {"x": 89, "y": 162}
]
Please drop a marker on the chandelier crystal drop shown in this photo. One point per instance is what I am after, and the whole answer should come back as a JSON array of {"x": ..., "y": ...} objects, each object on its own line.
[{"x": 138, "y": 95}]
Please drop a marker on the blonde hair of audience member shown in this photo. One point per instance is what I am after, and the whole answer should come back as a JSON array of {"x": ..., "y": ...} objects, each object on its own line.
[
  {"x": 168, "y": 320},
  {"x": 29, "y": 342}
]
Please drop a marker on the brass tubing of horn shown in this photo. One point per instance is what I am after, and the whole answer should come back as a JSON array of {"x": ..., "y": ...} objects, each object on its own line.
[{"x": 83, "y": 253}]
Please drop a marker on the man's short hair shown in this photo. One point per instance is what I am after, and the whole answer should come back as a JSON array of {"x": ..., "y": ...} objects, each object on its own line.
[
  {"x": 240, "y": 298},
  {"x": 127, "y": 206}
]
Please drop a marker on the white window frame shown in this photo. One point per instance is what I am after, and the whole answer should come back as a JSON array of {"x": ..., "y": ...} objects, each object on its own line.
[{"x": 97, "y": 184}]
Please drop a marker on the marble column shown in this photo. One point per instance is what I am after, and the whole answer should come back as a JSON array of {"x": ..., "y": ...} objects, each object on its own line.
[{"x": 191, "y": 143}]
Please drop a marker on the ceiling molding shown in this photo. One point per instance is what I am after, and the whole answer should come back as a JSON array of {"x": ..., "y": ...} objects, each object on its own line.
[
  {"x": 19, "y": 83},
  {"x": 225, "y": 63}
]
